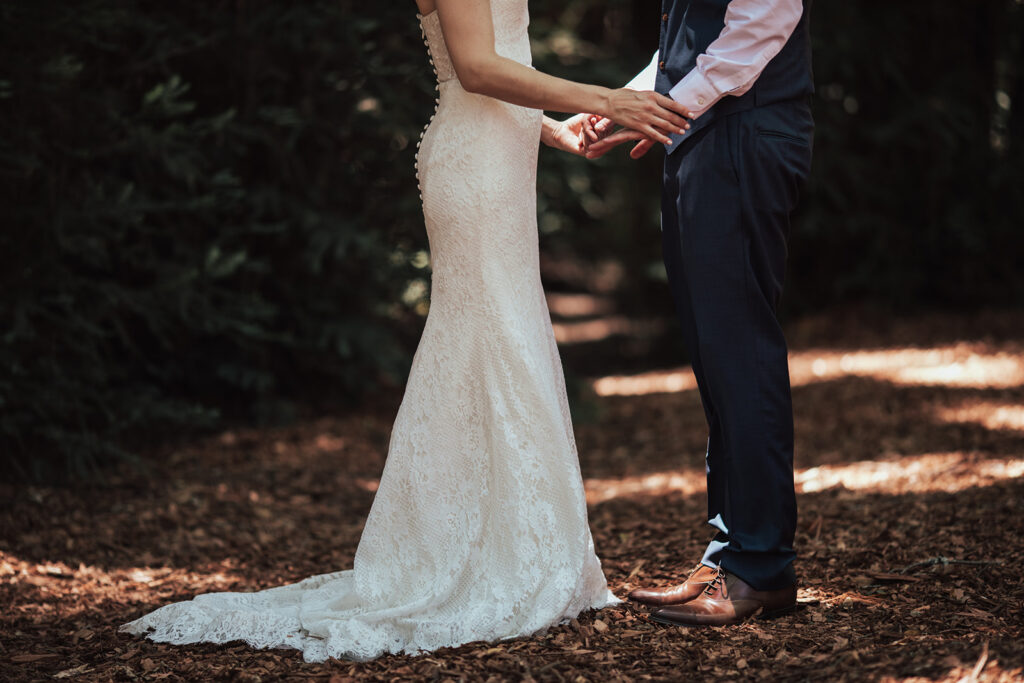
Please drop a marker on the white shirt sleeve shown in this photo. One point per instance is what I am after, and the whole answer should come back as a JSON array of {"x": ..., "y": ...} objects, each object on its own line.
[
  {"x": 645, "y": 79},
  {"x": 755, "y": 31}
]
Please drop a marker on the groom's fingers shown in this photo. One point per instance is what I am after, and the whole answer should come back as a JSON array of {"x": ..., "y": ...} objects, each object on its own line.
[
  {"x": 597, "y": 127},
  {"x": 641, "y": 148},
  {"x": 650, "y": 131},
  {"x": 598, "y": 149},
  {"x": 620, "y": 136}
]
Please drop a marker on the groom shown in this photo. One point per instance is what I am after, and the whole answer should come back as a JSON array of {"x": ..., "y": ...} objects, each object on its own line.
[{"x": 730, "y": 185}]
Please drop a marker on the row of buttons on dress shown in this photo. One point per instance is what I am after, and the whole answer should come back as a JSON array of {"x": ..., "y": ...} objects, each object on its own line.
[{"x": 437, "y": 102}]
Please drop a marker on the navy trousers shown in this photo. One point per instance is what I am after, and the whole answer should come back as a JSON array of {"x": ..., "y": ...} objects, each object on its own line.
[{"x": 728, "y": 195}]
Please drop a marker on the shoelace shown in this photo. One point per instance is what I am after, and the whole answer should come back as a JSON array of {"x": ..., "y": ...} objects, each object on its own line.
[{"x": 713, "y": 583}]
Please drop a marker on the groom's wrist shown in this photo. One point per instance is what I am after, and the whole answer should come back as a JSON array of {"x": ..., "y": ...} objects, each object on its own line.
[{"x": 695, "y": 92}]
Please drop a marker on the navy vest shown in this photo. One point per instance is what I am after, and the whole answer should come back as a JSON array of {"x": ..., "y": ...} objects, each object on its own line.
[{"x": 689, "y": 26}]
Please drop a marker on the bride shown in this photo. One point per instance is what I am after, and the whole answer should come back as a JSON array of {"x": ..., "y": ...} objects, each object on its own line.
[{"x": 479, "y": 529}]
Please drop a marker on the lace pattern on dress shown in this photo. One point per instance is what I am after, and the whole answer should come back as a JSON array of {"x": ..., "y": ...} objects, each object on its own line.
[{"x": 479, "y": 527}]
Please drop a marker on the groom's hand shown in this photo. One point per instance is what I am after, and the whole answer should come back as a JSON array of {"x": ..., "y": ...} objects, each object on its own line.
[
  {"x": 595, "y": 149},
  {"x": 595, "y": 128}
]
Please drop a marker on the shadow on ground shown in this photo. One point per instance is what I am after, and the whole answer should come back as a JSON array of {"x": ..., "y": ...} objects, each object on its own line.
[{"x": 909, "y": 467}]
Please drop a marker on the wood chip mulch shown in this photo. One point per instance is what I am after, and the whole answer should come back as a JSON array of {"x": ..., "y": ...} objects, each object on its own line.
[{"x": 912, "y": 517}]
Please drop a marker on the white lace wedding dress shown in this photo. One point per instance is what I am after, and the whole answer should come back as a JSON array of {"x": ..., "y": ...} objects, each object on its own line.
[{"x": 479, "y": 527}]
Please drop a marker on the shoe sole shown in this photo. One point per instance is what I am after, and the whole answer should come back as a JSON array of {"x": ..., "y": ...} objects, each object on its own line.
[
  {"x": 662, "y": 604},
  {"x": 763, "y": 615}
]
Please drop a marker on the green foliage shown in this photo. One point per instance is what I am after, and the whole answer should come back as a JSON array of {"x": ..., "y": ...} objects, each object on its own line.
[
  {"x": 207, "y": 211},
  {"x": 210, "y": 209},
  {"x": 915, "y": 194}
]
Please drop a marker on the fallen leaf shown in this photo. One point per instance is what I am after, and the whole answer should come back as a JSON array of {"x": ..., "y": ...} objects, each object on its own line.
[
  {"x": 70, "y": 673},
  {"x": 21, "y": 659},
  {"x": 886, "y": 577}
]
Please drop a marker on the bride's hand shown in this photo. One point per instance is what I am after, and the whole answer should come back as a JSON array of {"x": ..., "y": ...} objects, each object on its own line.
[
  {"x": 564, "y": 135},
  {"x": 647, "y": 112}
]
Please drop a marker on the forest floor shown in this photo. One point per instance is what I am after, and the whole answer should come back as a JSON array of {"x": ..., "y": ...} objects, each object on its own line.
[{"x": 909, "y": 471}]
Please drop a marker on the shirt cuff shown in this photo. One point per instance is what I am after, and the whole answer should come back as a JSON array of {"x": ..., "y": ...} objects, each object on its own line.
[
  {"x": 645, "y": 79},
  {"x": 695, "y": 92}
]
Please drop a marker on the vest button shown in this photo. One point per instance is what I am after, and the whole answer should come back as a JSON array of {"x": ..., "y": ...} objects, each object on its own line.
[{"x": 661, "y": 65}]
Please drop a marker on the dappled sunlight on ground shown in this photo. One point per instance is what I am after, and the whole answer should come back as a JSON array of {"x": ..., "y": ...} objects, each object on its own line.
[
  {"x": 578, "y": 305},
  {"x": 988, "y": 414},
  {"x": 579, "y": 332},
  {"x": 910, "y": 480},
  {"x": 686, "y": 482},
  {"x": 40, "y": 583},
  {"x": 921, "y": 473},
  {"x": 961, "y": 365},
  {"x": 949, "y": 472},
  {"x": 657, "y": 382}
]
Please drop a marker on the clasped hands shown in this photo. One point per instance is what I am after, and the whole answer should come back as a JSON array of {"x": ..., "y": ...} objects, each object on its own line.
[
  {"x": 597, "y": 138},
  {"x": 645, "y": 116}
]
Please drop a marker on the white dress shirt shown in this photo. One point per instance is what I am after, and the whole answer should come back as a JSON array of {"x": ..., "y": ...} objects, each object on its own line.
[{"x": 755, "y": 31}]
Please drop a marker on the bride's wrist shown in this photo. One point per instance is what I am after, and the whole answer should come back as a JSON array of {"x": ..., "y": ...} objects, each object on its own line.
[
  {"x": 547, "y": 131},
  {"x": 604, "y": 107}
]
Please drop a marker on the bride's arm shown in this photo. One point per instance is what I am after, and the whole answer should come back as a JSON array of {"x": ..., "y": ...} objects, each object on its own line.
[{"x": 469, "y": 34}]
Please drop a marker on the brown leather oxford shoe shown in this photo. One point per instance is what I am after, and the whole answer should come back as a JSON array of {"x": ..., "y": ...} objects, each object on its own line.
[
  {"x": 726, "y": 600},
  {"x": 699, "y": 578}
]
